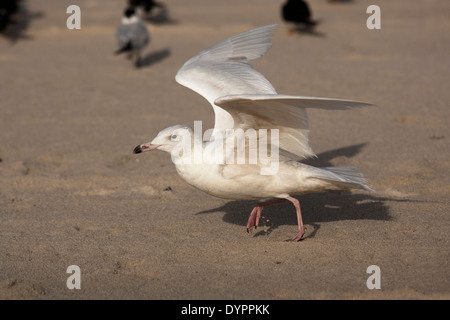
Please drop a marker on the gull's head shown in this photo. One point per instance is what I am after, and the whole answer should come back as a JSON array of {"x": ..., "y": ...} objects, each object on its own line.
[
  {"x": 129, "y": 16},
  {"x": 168, "y": 139},
  {"x": 129, "y": 12}
]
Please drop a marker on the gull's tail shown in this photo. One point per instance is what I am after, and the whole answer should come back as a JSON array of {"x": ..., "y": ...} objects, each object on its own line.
[
  {"x": 127, "y": 47},
  {"x": 345, "y": 176}
]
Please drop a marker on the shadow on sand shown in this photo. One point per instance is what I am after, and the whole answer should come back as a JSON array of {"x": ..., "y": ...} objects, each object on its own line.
[
  {"x": 161, "y": 16},
  {"x": 308, "y": 30},
  {"x": 154, "y": 57}
]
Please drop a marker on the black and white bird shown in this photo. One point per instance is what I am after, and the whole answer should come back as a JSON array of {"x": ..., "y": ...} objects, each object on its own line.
[
  {"x": 152, "y": 11},
  {"x": 132, "y": 36},
  {"x": 146, "y": 5}
]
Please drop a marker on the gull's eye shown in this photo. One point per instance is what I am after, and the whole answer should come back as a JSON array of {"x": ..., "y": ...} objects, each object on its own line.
[{"x": 173, "y": 137}]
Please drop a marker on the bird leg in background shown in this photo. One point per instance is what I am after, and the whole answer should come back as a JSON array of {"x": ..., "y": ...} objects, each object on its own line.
[
  {"x": 290, "y": 30},
  {"x": 138, "y": 62},
  {"x": 301, "y": 229},
  {"x": 253, "y": 220}
]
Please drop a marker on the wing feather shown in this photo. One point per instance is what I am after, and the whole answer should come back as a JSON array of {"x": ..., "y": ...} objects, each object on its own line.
[
  {"x": 223, "y": 69},
  {"x": 283, "y": 112}
]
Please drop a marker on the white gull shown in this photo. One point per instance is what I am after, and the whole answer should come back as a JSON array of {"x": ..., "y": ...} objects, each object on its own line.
[{"x": 242, "y": 98}]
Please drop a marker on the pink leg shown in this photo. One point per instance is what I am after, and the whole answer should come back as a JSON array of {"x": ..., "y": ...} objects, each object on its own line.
[
  {"x": 301, "y": 229},
  {"x": 253, "y": 220}
]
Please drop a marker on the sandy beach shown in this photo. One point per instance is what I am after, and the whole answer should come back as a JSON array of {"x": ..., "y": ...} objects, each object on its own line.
[{"x": 73, "y": 193}]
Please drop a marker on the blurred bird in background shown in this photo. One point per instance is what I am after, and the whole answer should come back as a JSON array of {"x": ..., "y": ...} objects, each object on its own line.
[
  {"x": 298, "y": 14},
  {"x": 152, "y": 11},
  {"x": 7, "y": 9},
  {"x": 146, "y": 5},
  {"x": 132, "y": 36}
]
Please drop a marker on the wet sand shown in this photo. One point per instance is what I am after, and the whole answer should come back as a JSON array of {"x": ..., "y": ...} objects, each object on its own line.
[{"x": 72, "y": 192}]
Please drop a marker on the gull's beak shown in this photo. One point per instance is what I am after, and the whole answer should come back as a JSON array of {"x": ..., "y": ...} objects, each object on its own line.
[{"x": 145, "y": 147}]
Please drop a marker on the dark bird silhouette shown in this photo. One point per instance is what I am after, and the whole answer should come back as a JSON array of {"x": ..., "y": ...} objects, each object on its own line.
[
  {"x": 153, "y": 11},
  {"x": 298, "y": 13},
  {"x": 146, "y": 5},
  {"x": 7, "y": 9}
]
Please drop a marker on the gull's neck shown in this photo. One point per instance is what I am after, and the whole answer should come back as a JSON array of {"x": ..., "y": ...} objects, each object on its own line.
[{"x": 130, "y": 20}]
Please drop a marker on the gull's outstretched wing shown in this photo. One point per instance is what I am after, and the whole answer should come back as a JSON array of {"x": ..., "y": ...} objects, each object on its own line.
[
  {"x": 223, "y": 69},
  {"x": 283, "y": 112}
]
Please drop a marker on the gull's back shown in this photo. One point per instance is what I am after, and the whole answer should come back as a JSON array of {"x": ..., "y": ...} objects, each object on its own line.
[{"x": 133, "y": 30}]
